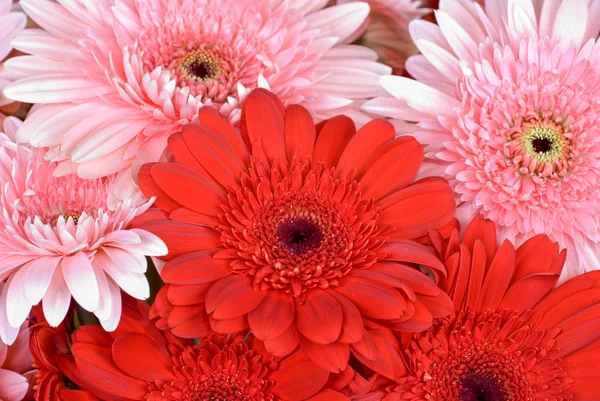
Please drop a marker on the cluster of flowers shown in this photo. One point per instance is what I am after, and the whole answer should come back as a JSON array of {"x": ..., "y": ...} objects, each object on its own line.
[{"x": 299, "y": 200}]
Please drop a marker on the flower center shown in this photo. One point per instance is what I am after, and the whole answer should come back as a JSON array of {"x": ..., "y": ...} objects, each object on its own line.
[
  {"x": 299, "y": 236},
  {"x": 297, "y": 227},
  {"x": 544, "y": 142},
  {"x": 201, "y": 66},
  {"x": 539, "y": 149},
  {"x": 489, "y": 356},
  {"x": 477, "y": 386},
  {"x": 70, "y": 213}
]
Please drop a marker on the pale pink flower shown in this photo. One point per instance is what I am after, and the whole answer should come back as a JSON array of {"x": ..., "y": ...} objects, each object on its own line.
[
  {"x": 58, "y": 238},
  {"x": 386, "y": 30},
  {"x": 16, "y": 373},
  {"x": 119, "y": 76},
  {"x": 507, "y": 101},
  {"x": 11, "y": 22}
]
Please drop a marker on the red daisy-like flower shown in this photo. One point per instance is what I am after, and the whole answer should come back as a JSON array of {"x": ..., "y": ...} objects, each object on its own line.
[
  {"x": 513, "y": 336},
  {"x": 139, "y": 362},
  {"x": 52, "y": 359},
  {"x": 303, "y": 234}
]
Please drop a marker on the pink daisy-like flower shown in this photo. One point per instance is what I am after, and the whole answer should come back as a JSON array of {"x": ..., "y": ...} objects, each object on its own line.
[
  {"x": 11, "y": 22},
  {"x": 507, "y": 100},
  {"x": 386, "y": 30},
  {"x": 151, "y": 65},
  {"x": 16, "y": 373},
  {"x": 58, "y": 238}
]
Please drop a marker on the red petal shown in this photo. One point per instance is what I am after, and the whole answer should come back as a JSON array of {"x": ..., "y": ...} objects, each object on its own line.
[
  {"x": 183, "y": 295},
  {"x": 352, "y": 326},
  {"x": 388, "y": 361},
  {"x": 331, "y": 357},
  {"x": 184, "y": 184},
  {"x": 215, "y": 154},
  {"x": 330, "y": 395},
  {"x": 478, "y": 263},
  {"x": 75, "y": 395},
  {"x": 332, "y": 140},
  {"x": 142, "y": 357},
  {"x": 195, "y": 268},
  {"x": 262, "y": 122},
  {"x": 319, "y": 318},
  {"x": 232, "y": 297},
  {"x": 569, "y": 299},
  {"x": 150, "y": 189},
  {"x": 96, "y": 365},
  {"x": 284, "y": 344},
  {"x": 498, "y": 277},
  {"x": 298, "y": 378},
  {"x": 189, "y": 321},
  {"x": 485, "y": 231},
  {"x": 410, "y": 251},
  {"x": 183, "y": 154},
  {"x": 362, "y": 145},
  {"x": 273, "y": 316},
  {"x": 300, "y": 134},
  {"x": 414, "y": 210},
  {"x": 439, "y": 306},
  {"x": 212, "y": 119},
  {"x": 184, "y": 215},
  {"x": 229, "y": 326},
  {"x": 182, "y": 237},
  {"x": 394, "y": 169},
  {"x": 373, "y": 299},
  {"x": 413, "y": 278}
]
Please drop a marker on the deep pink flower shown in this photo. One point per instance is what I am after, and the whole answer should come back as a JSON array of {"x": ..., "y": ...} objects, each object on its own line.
[
  {"x": 59, "y": 237},
  {"x": 151, "y": 65},
  {"x": 507, "y": 100}
]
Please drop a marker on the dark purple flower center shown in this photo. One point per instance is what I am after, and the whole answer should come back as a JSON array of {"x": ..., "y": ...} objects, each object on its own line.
[
  {"x": 299, "y": 236},
  {"x": 542, "y": 145},
  {"x": 481, "y": 387}
]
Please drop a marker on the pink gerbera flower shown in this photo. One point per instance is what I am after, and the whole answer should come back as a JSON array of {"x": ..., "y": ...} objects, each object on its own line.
[
  {"x": 11, "y": 22},
  {"x": 386, "y": 30},
  {"x": 151, "y": 65},
  {"x": 59, "y": 238},
  {"x": 507, "y": 99}
]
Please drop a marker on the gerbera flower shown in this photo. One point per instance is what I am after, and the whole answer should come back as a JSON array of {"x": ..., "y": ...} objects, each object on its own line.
[
  {"x": 151, "y": 65},
  {"x": 50, "y": 348},
  {"x": 138, "y": 362},
  {"x": 386, "y": 30},
  {"x": 58, "y": 238},
  {"x": 310, "y": 228},
  {"x": 513, "y": 335},
  {"x": 15, "y": 367},
  {"x": 11, "y": 22},
  {"x": 507, "y": 102}
]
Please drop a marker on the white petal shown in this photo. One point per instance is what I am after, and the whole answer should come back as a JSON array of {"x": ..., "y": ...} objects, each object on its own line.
[
  {"x": 38, "y": 278},
  {"x": 419, "y": 96},
  {"x": 114, "y": 316},
  {"x": 339, "y": 21},
  {"x": 80, "y": 279},
  {"x": 55, "y": 88},
  {"x": 55, "y": 303},
  {"x": 570, "y": 23}
]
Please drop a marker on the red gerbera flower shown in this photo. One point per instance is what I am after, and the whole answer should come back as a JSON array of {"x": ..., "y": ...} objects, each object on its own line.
[
  {"x": 513, "y": 336},
  {"x": 49, "y": 347},
  {"x": 138, "y": 362},
  {"x": 301, "y": 233}
]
